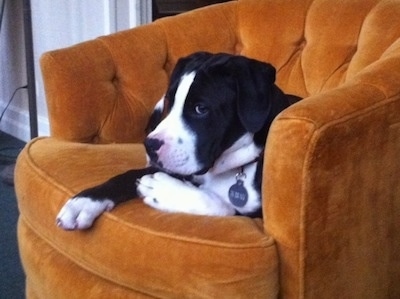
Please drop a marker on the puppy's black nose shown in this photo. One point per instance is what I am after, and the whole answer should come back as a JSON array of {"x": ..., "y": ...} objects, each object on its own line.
[{"x": 152, "y": 145}]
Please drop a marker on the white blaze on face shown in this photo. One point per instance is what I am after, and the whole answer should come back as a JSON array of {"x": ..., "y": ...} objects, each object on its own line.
[
  {"x": 178, "y": 153},
  {"x": 160, "y": 104}
]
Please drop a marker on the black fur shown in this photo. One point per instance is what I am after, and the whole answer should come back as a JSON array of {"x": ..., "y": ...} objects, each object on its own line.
[{"x": 233, "y": 94}]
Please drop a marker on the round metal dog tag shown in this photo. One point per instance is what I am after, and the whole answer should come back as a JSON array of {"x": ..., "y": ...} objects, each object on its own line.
[{"x": 238, "y": 194}]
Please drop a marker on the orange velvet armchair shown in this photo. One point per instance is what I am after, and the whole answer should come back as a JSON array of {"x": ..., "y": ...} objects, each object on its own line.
[{"x": 331, "y": 192}]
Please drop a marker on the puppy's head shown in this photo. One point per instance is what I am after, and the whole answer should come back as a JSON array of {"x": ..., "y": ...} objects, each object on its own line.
[{"x": 212, "y": 101}]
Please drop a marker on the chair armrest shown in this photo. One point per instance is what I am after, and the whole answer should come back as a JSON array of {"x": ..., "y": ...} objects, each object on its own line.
[
  {"x": 104, "y": 90},
  {"x": 331, "y": 193}
]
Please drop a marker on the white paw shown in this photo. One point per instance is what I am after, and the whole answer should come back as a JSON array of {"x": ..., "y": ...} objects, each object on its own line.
[
  {"x": 163, "y": 192},
  {"x": 166, "y": 193},
  {"x": 80, "y": 212}
]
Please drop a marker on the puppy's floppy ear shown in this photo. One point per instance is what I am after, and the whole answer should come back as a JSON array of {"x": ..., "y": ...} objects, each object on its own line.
[{"x": 256, "y": 92}]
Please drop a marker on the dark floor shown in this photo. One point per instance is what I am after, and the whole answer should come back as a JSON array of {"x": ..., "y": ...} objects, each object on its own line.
[{"x": 12, "y": 279}]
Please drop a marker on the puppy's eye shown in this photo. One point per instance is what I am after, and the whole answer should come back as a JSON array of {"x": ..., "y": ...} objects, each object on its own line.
[{"x": 201, "y": 110}]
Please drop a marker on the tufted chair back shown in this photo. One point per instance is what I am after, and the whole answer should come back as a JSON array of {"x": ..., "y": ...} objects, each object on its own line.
[
  {"x": 316, "y": 45},
  {"x": 319, "y": 45}
]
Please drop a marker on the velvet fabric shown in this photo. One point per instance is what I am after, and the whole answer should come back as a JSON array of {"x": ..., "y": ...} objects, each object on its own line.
[{"x": 331, "y": 197}]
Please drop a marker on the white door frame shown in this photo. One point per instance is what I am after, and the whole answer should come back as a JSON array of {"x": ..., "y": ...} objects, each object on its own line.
[{"x": 126, "y": 14}]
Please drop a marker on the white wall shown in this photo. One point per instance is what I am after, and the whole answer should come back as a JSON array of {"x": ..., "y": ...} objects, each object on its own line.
[{"x": 56, "y": 24}]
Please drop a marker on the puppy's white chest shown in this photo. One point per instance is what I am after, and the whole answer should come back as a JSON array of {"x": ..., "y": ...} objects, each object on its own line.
[{"x": 234, "y": 187}]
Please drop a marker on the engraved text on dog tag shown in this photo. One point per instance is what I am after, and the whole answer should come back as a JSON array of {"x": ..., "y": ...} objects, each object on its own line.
[{"x": 238, "y": 194}]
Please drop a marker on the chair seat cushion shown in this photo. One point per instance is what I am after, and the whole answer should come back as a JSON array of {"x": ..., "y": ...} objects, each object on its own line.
[{"x": 134, "y": 246}]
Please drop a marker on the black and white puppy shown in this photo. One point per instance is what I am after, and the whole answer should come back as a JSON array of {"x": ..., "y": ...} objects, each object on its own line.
[{"x": 205, "y": 144}]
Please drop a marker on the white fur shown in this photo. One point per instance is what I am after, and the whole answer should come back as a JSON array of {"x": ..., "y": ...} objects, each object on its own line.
[
  {"x": 177, "y": 154},
  {"x": 221, "y": 183},
  {"x": 160, "y": 104},
  {"x": 166, "y": 193},
  {"x": 80, "y": 212},
  {"x": 243, "y": 151}
]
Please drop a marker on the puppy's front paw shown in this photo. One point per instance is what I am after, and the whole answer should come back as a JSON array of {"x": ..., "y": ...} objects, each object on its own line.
[
  {"x": 80, "y": 212},
  {"x": 162, "y": 191}
]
